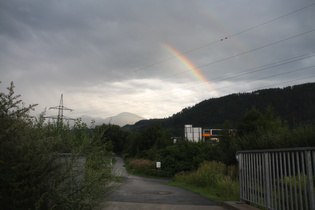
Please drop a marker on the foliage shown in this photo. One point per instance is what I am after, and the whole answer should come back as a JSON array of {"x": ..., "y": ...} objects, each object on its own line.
[
  {"x": 153, "y": 138},
  {"x": 254, "y": 121},
  {"x": 112, "y": 135},
  {"x": 256, "y": 130},
  {"x": 213, "y": 175},
  {"x": 156, "y": 144},
  {"x": 30, "y": 149},
  {"x": 255, "y": 115},
  {"x": 142, "y": 167},
  {"x": 34, "y": 173},
  {"x": 258, "y": 127},
  {"x": 182, "y": 156},
  {"x": 264, "y": 131}
]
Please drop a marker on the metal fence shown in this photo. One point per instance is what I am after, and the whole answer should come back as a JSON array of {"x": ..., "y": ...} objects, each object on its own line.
[{"x": 278, "y": 179}]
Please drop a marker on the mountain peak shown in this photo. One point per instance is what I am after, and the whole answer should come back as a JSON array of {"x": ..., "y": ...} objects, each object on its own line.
[
  {"x": 128, "y": 114},
  {"x": 121, "y": 119},
  {"x": 125, "y": 118}
]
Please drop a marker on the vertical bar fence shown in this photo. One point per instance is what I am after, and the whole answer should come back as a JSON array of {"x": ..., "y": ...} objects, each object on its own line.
[{"x": 281, "y": 179}]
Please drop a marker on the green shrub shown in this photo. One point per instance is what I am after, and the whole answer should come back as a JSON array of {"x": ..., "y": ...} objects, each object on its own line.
[
  {"x": 32, "y": 175},
  {"x": 141, "y": 166},
  {"x": 213, "y": 175}
]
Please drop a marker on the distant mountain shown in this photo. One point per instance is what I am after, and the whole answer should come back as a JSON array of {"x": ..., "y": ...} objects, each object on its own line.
[
  {"x": 122, "y": 119},
  {"x": 88, "y": 119},
  {"x": 294, "y": 104}
]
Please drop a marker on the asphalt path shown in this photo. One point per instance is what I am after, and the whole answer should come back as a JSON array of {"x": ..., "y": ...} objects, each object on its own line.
[{"x": 139, "y": 190}]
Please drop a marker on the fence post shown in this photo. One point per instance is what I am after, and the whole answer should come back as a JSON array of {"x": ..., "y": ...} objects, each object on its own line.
[
  {"x": 239, "y": 158},
  {"x": 310, "y": 179},
  {"x": 267, "y": 181}
]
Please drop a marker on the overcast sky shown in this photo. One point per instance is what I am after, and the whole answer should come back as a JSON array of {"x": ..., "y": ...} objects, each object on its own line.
[{"x": 149, "y": 57}]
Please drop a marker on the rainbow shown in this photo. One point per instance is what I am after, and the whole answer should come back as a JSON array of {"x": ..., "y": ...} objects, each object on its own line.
[{"x": 190, "y": 66}]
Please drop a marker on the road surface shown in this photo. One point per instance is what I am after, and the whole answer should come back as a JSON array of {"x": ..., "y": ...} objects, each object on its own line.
[{"x": 148, "y": 193}]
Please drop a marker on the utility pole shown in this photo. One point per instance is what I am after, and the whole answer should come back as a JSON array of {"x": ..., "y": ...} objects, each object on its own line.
[{"x": 60, "y": 117}]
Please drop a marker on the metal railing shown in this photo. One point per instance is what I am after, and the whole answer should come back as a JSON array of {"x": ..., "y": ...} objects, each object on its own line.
[{"x": 278, "y": 179}]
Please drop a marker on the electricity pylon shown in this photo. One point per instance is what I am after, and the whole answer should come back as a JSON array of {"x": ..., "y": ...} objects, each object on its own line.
[{"x": 60, "y": 117}]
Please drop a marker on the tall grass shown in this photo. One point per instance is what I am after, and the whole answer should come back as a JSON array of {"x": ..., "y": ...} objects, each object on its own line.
[
  {"x": 143, "y": 167},
  {"x": 218, "y": 181}
]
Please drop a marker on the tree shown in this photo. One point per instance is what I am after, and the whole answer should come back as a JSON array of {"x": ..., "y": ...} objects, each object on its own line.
[
  {"x": 250, "y": 122},
  {"x": 254, "y": 121},
  {"x": 33, "y": 173},
  {"x": 14, "y": 116},
  {"x": 114, "y": 134}
]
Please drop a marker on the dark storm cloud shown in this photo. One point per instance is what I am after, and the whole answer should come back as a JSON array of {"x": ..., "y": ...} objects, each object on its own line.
[{"x": 107, "y": 49}]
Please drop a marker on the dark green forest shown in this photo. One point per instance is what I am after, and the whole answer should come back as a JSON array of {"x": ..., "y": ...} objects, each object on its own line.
[{"x": 294, "y": 105}]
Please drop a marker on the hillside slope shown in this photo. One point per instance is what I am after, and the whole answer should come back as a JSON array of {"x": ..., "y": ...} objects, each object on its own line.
[{"x": 294, "y": 104}]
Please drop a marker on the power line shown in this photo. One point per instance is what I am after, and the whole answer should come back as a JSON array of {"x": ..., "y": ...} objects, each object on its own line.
[
  {"x": 227, "y": 58},
  {"x": 254, "y": 70},
  {"x": 219, "y": 40},
  {"x": 252, "y": 50},
  {"x": 272, "y": 20},
  {"x": 275, "y": 75},
  {"x": 296, "y": 70},
  {"x": 214, "y": 42},
  {"x": 264, "y": 67},
  {"x": 233, "y": 56},
  {"x": 294, "y": 80},
  {"x": 257, "y": 69}
]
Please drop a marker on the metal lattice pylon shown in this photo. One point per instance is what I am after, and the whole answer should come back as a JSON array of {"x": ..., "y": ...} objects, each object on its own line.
[{"x": 60, "y": 117}]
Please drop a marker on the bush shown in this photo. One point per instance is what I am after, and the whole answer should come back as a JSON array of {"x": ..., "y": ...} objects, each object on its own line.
[
  {"x": 32, "y": 174},
  {"x": 141, "y": 166},
  {"x": 215, "y": 175},
  {"x": 182, "y": 156}
]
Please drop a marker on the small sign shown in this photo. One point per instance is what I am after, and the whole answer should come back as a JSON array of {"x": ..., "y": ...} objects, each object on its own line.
[{"x": 158, "y": 164}]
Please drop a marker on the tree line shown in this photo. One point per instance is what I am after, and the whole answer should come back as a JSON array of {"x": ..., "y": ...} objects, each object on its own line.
[
  {"x": 293, "y": 104},
  {"x": 255, "y": 130}
]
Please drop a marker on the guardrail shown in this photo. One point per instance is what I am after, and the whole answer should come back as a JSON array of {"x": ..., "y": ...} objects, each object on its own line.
[{"x": 279, "y": 178}]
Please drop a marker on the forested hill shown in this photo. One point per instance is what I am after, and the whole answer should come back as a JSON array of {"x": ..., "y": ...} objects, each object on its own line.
[{"x": 294, "y": 104}]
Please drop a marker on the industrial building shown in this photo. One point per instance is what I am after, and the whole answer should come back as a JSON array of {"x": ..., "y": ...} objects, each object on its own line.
[
  {"x": 197, "y": 134},
  {"x": 193, "y": 134}
]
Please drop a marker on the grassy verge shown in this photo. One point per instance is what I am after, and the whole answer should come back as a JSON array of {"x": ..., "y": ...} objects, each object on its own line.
[
  {"x": 213, "y": 180},
  {"x": 207, "y": 192},
  {"x": 143, "y": 168}
]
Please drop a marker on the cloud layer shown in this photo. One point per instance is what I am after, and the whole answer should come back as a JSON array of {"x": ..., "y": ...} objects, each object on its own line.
[{"x": 108, "y": 57}]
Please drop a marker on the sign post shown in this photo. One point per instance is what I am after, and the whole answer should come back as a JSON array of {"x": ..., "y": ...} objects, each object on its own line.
[{"x": 158, "y": 165}]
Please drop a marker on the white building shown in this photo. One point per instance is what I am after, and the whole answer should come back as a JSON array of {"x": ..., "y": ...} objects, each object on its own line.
[{"x": 193, "y": 134}]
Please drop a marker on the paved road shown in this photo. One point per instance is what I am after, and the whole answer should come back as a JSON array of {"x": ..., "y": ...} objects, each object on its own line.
[{"x": 148, "y": 193}]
